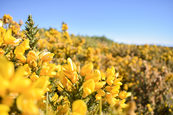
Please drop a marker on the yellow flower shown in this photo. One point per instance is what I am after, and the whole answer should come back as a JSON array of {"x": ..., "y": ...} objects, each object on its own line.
[
  {"x": 26, "y": 102},
  {"x": 110, "y": 74},
  {"x": 110, "y": 71},
  {"x": 98, "y": 97},
  {"x": 123, "y": 104},
  {"x": 124, "y": 94},
  {"x": 48, "y": 70},
  {"x": 11, "y": 81},
  {"x": 32, "y": 58},
  {"x": 8, "y": 100},
  {"x": 7, "y": 18},
  {"x": 79, "y": 107},
  {"x": 43, "y": 43},
  {"x": 19, "y": 53},
  {"x": 19, "y": 83},
  {"x": 20, "y": 50},
  {"x": 99, "y": 85},
  {"x": 64, "y": 27},
  {"x": 88, "y": 87},
  {"x": 149, "y": 108},
  {"x": 99, "y": 94},
  {"x": 54, "y": 98},
  {"x": 70, "y": 70},
  {"x": 27, "y": 70},
  {"x": 64, "y": 82},
  {"x": 86, "y": 69},
  {"x": 8, "y": 38},
  {"x": 2, "y": 32},
  {"x": 6, "y": 73},
  {"x": 8, "y": 70},
  {"x": 103, "y": 76},
  {"x": 46, "y": 56},
  {"x": 34, "y": 77},
  {"x": 25, "y": 44},
  {"x": 41, "y": 83},
  {"x": 114, "y": 90},
  {"x": 117, "y": 81},
  {"x": 135, "y": 97},
  {"x": 170, "y": 110},
  {"x": 111, "y": 100},
  {"x": 37, "y": 90},
  {"x": 27, "y": 106},
  {"x": 4, "y": 109},
  {"x": 125, "y": 87},
  {"x": 96, "y": 76}
]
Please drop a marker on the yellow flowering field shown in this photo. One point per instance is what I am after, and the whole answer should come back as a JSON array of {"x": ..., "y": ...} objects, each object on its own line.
[{"x": 52, "y": 72}]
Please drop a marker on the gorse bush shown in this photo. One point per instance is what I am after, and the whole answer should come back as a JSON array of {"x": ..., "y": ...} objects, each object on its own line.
[{"x": 51, "y": 72}]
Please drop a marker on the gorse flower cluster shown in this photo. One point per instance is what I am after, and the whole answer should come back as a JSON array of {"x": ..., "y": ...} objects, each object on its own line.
[
  {"x": 90, "y": 85},
  {"x": 51, "y": 72},
  {"x": 37, "y": 79}
]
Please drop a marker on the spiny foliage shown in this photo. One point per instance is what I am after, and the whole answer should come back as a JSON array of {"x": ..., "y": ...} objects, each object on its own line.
[{"x": 31, "y": 31}]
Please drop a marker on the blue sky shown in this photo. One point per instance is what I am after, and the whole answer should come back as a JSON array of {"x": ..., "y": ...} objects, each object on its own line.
[{"x": 127, "y": 21}]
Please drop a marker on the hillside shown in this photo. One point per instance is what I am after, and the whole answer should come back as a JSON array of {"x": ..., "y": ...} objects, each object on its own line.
[{"x": 49, "y": 71}]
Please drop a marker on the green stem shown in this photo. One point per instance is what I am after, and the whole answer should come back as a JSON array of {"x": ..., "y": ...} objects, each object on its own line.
[
  {"x": 47, "y": 103},
  {"x": 101, "y": 106}
]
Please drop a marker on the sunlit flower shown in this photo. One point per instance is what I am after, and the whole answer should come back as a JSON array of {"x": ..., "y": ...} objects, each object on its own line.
[
  {"x": 124, "y": 94},
  {"x": 111, "y": 99},
  {"x": 6, "y": 73},
  {"x": 34, "y": 77},
  {"x": 7, "y": 18},
  {"x": 26, "y": 102},
  {"x": 32, "y": 58},
  {"x": 88, "y": 87},
  {"x": 6, "y": 36},
  {"x": 48, "y": 70},
  {"x": 110, "y": 73},
  {"x": 79, "y": 107},
  {"x": 64, "y": 27},
  {"x": 46, "y": 56},
  {"x": 20, "y": 50},
  {"x": 4, "y": 109},
  {"x": 70, "y": 70},
  {"x": 99, "y": 85},
  {"x": 99, "y": 94},
  {"x": 86, "y": 69}
]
